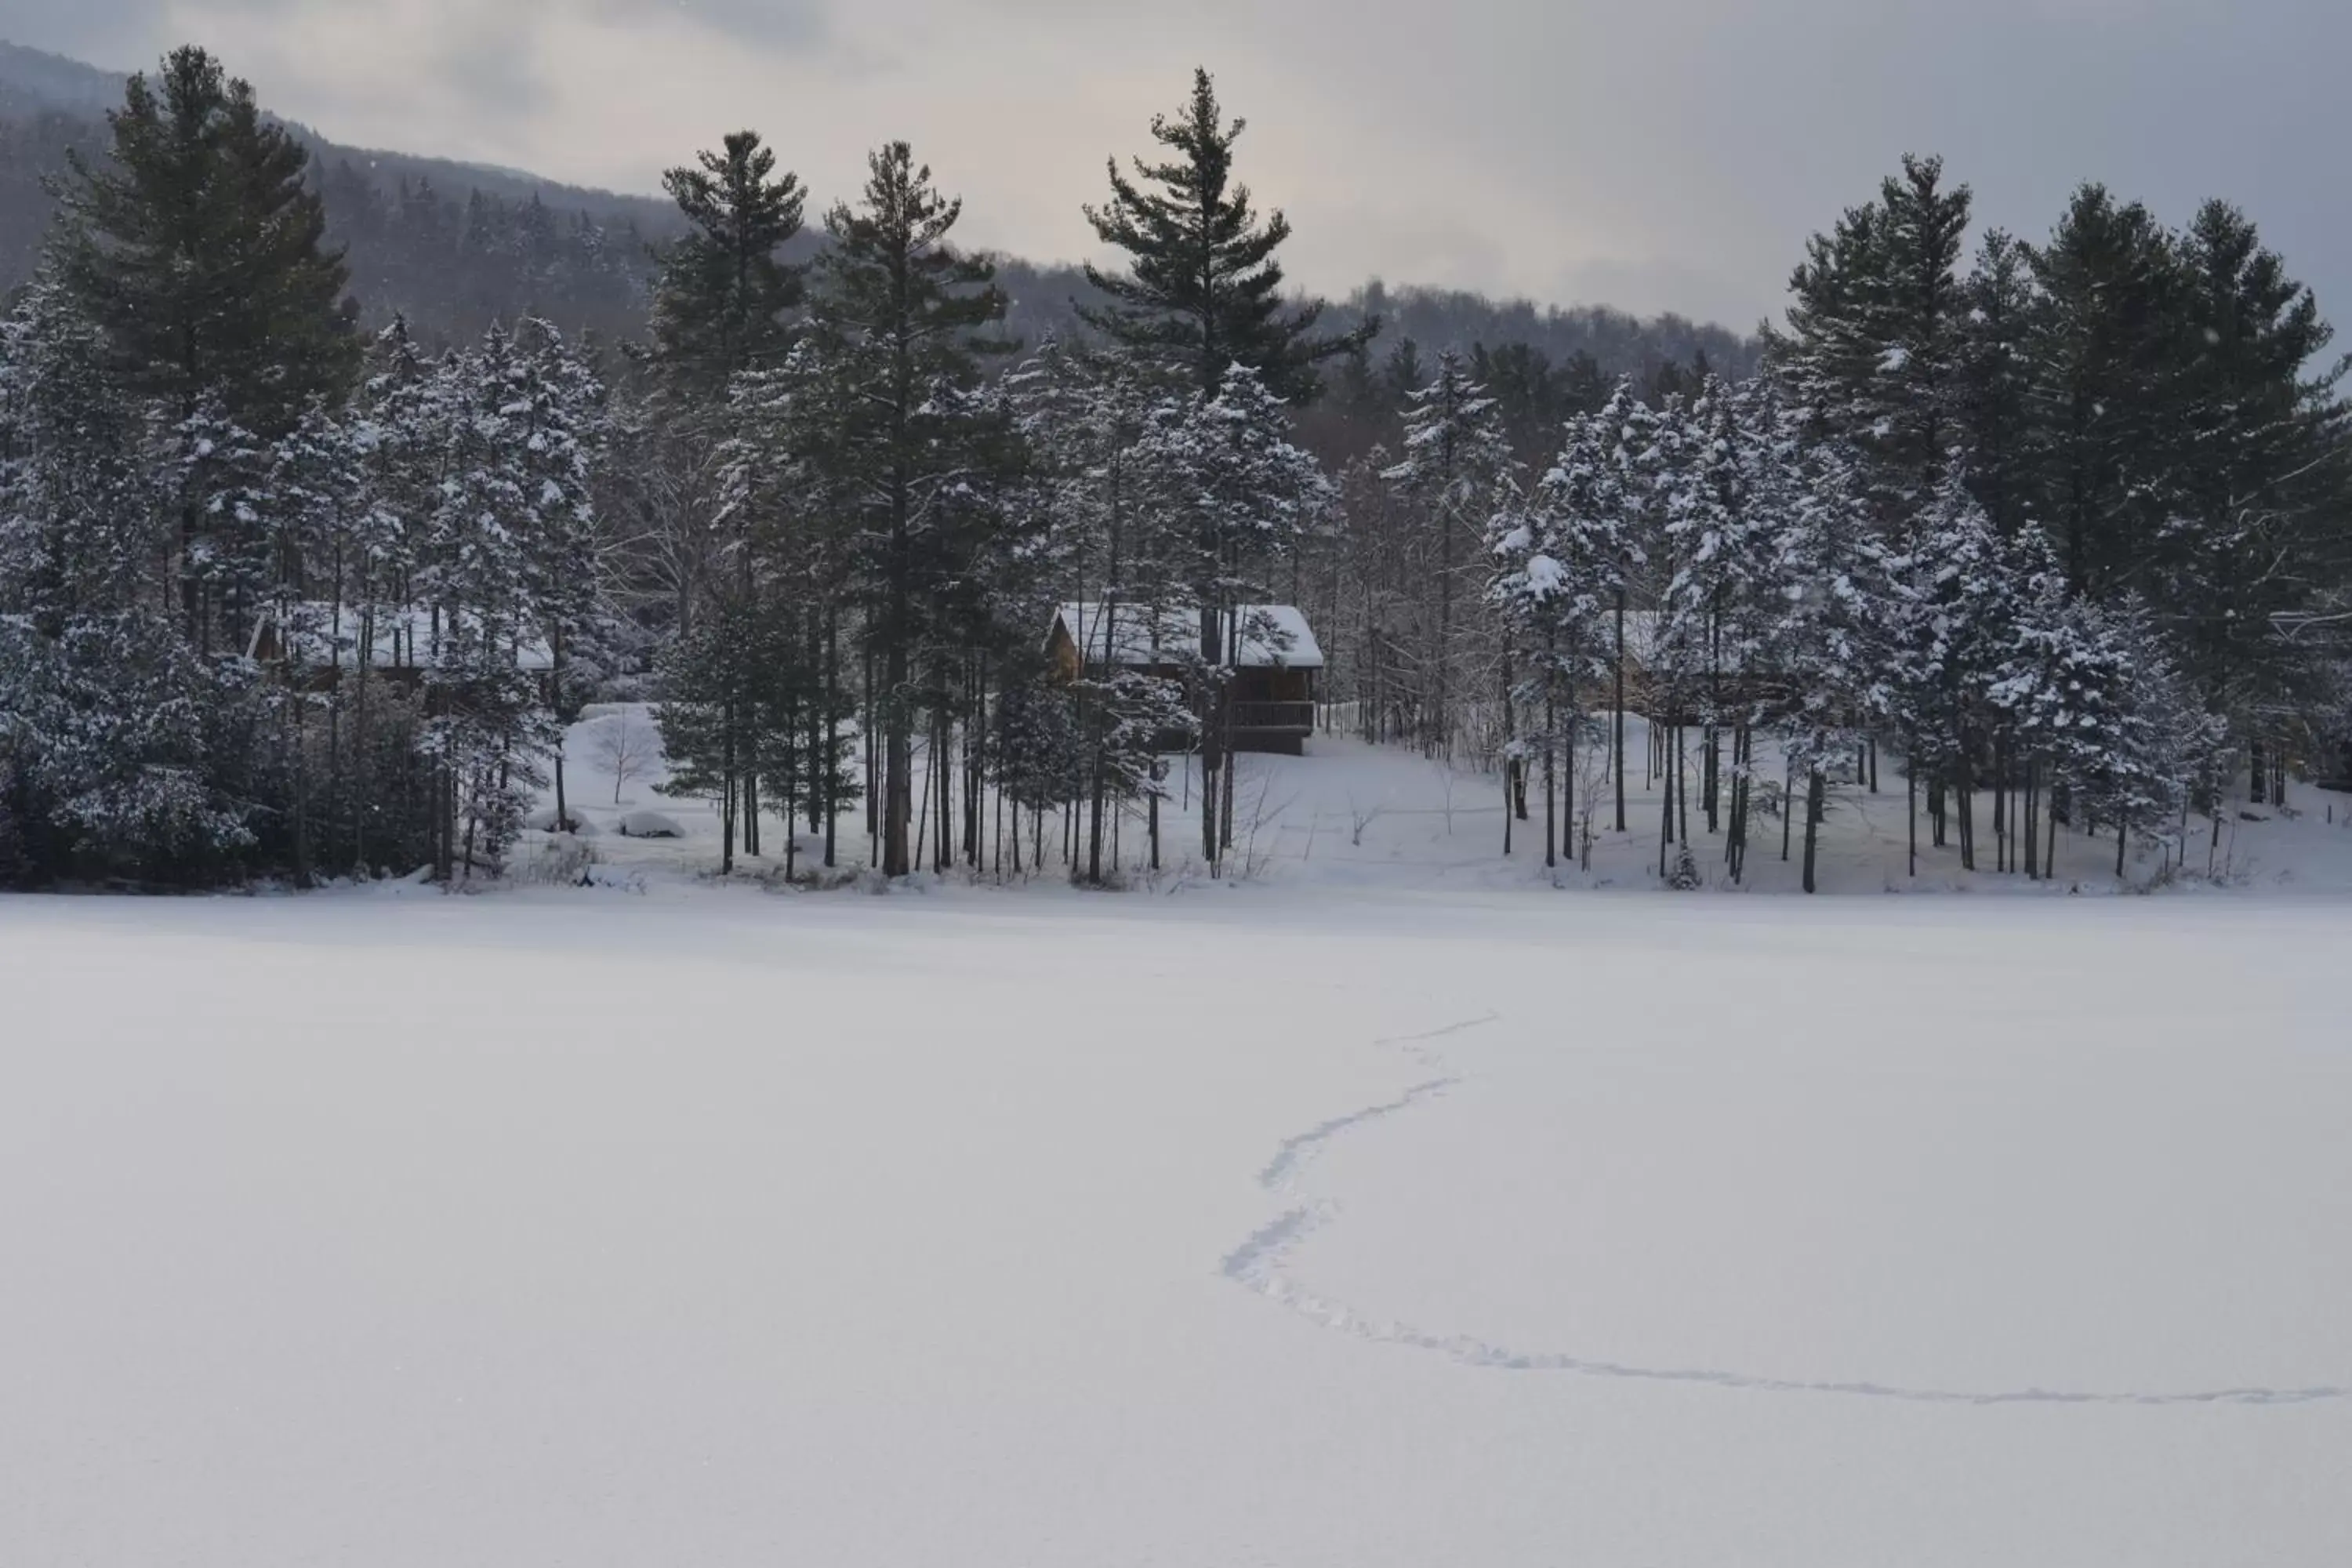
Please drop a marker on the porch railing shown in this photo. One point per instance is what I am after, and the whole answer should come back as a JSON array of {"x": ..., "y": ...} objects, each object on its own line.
[{"x": 1264, "y": 716}]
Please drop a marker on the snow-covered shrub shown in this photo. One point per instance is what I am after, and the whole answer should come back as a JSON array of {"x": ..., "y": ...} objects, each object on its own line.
[{"x": 556, "y": 861}]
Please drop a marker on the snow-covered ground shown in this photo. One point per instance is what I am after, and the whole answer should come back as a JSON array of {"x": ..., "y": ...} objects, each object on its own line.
[
  {"x": 1250, "y": 1226},
  {"x": 1348, "y": 816}
]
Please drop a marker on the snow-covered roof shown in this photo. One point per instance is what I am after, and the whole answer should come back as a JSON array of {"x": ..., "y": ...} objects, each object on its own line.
[
  {"x": 1272, "y": 635},
  {"x": 403, "y": 638}
]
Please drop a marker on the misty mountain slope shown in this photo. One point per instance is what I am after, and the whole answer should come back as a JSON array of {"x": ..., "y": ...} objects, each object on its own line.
[
  {"x": 454, "y": 246},
  {"x": 34, "y": 83}
]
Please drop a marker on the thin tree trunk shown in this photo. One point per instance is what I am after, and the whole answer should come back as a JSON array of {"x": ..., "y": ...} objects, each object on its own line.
[
  {"x": 1911, "y": 788},
  {"x": 1551, "y": 802},
  {"x": 1682, "y": 785},
  {"x": 1816, "y": 792},
  {"x": 829, "y": 759},
  {"x": 1788, "y": 803},
  {"x": 361, "y": 657},
  {"x": 726, "y": 788},
  {"x": 2033, "y": 820},
  {"x": 1620, "y": 710},
  {"x": 1964, "y": 789},
  {"x": 1667, "y": 814}
]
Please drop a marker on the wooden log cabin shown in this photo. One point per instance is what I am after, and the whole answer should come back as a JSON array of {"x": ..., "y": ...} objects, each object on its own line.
[{"x": 1270, "y": 649}]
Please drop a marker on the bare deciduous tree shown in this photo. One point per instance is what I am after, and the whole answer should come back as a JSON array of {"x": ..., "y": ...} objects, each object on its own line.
[{"x": 624, "y": 747}]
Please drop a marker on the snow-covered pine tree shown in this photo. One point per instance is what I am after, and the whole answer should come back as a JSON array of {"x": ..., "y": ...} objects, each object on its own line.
[
  {"x": 1952, "y": 627},
  {"x": 317, "y": 512},
  {"x": 2158, "y": 749},
  {"x": 1454, "y": 456},
  {"x": 106, "y": 751},
  {"x": 490, "y": 726},
  {"x": 1828, "y": 573},
  {"x": 399, "y": 425},
  {"x": 78, "y": 507},
  {"x": 105, "y": 742},
  {"x": 555, "y": 407},
  {"x": 1657, "y": 481},
  {"x": 791, "y": 494},
  {"x": 1557, "y": 582},
  {"x": 1622, "y": 432}
]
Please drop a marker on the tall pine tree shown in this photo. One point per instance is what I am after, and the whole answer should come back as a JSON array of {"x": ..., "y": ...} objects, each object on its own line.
[{"x": 1203, "y": 291}]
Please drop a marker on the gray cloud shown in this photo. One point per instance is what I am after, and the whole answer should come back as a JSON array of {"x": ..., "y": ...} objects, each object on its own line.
[
  {"x": 792, "y": 22},
  {"x": 1669, "y": 154},
  {"x": 97, "y": 32}
]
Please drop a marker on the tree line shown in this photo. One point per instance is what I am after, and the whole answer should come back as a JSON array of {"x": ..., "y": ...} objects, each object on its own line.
[
  {"x": 2068, "y": 525},
  {"x": 2064, "y": 528}
]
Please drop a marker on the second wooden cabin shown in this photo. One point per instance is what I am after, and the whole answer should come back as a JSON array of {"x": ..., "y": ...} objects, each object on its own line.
[{"x": 1270, "y": 650}]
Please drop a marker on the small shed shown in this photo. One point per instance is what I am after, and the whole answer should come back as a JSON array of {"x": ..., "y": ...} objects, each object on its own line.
[{"x": 1269, "y": 649}]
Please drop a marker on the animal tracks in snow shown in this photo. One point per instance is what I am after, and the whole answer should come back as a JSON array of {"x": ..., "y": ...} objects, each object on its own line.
[{"x": 1263, "y": 1263}]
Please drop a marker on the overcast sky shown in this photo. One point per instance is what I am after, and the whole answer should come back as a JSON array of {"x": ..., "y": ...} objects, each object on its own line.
[{"x": 1654, "y": 154}]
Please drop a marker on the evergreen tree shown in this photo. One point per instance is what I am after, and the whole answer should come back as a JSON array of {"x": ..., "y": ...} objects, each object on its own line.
[
  {"x": 1997, "y": 426},
  {"x": 2258, "y": 478},
  {"x": 107, "y": 751},
  {"x": 715, "y": 720},
  {"x": 77, "y": 504},
  {"x": 1203, "y": 291},
  {"x": 722, "y": 303},
  {"x": 1557, "y": 582},
  {"x": 555, "y": 406},
  {"x": 1877, "y": 335},
  {"x": 491, "y": 728},
  {"x": 198, "y": 244},
  {"x": 2103, "y": 343},
  {"x": 1454, "y": 456},
  {"x": 902, "y": 316},
  {"x": 1830, "y": 577}
]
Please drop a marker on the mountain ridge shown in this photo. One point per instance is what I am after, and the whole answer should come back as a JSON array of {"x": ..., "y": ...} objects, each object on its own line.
[{"x": 584, "y": 255}]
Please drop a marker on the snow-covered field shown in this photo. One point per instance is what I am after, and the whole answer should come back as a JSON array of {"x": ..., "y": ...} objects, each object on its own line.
[{"x": 1244, "y": 1226}]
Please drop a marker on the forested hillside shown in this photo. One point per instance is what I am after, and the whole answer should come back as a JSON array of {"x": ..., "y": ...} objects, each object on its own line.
[{"x": 453, "y": 247}]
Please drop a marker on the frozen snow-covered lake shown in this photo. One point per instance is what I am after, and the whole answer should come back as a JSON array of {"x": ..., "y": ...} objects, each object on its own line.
[{"x": 1240, "y": 1227}]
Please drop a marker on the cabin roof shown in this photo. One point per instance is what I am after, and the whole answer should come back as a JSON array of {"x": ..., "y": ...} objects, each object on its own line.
[{"x": 1273, "y": 636}]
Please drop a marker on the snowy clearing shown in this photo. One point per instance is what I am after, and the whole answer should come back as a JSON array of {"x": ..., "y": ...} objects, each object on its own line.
[
  {"x": 1356, "y": 816},
  {"x": 1243, "y": 1226}
]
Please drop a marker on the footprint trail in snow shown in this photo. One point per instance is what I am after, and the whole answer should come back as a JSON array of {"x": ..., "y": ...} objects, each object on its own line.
[{"x": 1262, "y": 1264}]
